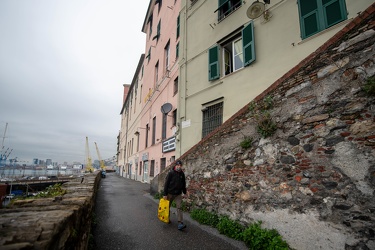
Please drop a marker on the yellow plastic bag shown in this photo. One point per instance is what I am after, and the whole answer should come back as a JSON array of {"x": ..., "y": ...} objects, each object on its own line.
[{"x": 163, "y": 211}]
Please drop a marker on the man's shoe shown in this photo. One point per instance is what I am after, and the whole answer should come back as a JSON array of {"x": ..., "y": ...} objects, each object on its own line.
[{"x": 181, "y": 226}]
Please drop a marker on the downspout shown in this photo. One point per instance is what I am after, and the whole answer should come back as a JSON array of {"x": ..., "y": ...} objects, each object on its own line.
[
  {"x": 183, "y": 99},
  {"x": 126, "y": 143}
]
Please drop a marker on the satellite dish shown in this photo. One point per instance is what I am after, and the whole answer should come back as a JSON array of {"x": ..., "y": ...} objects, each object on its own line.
[
  {"x": 166, "y": 108},
  {"x": 255, "y": 10}
]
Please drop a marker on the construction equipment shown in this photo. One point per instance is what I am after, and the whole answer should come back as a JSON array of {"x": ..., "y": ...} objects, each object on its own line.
[
  {"x": 89, "y": 167},
  {"x": 4, "y": 156},
  {"x": 102, "y": 166}
]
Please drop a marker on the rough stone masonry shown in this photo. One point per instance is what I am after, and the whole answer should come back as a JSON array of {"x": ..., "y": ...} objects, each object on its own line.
[
  {"x": 62, "y": 222},
  {"x": 313, "y": 180}
]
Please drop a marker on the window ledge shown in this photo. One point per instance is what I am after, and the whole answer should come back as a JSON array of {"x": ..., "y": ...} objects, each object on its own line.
[
  {"x": 229, "y": 14},
  {"x": 325, "y": 31}
]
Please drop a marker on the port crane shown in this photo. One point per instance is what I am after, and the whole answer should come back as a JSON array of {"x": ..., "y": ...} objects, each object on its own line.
[
  {"x": 4, "y": 156},
  {"x": 102, "y": 165},
  {"x": 89, "y": 167}
]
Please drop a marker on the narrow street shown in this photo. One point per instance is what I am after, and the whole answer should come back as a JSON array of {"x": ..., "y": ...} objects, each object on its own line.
[{"x": 126, "y": 218}]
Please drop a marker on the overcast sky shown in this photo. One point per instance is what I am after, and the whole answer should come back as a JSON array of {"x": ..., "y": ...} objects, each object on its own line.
[{"x": 63, "y": 64}]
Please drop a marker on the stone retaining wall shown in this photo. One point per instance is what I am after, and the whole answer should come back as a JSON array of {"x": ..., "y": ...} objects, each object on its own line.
[
  {"x": 51, "y": 223},
  {"x": 313, "y": 180}
]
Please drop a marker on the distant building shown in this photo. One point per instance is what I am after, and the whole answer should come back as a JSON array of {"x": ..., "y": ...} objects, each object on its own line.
[{"x": 48, "y": 162}]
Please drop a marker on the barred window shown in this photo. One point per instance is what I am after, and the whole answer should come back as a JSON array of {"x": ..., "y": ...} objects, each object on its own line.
[{"x": 212, "y": 118}]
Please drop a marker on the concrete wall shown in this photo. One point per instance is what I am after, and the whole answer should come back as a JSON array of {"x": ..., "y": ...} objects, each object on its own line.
[
  {"x": 51, "y": 223},
  {"x": 313, "y": 180}
]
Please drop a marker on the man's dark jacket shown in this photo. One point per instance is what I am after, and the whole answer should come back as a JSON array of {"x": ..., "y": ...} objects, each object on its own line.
[{"x": 175, "y": 183}]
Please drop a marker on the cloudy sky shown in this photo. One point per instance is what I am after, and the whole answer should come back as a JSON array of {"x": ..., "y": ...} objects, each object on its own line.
[{"x": 63, "y": 64}]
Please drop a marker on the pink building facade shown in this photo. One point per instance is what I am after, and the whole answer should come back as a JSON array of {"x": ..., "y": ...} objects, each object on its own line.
[{"x": 147, "y": 139}]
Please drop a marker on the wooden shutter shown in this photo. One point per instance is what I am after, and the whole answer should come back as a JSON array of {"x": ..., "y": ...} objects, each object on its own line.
[
  {"x": 334, "y": 11},
  {"x": 213, "y": 63},
  {"x": 178, "y": 27},
  {"x": 309, "y": 17},
  {"x": 248, "y": 44}
]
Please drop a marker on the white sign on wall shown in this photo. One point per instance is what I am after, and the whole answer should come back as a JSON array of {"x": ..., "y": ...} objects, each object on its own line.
[{"x": 186, "y": 124}]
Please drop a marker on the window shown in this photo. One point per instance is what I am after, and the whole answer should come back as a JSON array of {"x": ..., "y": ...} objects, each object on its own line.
[
  {"x": 146, "y": 139},
  {"x": 318, "y": 15},
  {"x": 149, "y": 54},
  {"x": 175, "y": 86},
  {"x": 178, "y": 27},
  {"x": 137, "y": 142},
  {"x": 157, "y": 36},
  {"x": 177, "y": 50},
  {"x": 160, "y": 4},
  {"x": 150, "y": 25},
  {"x": 163, "y": 163},
  {"x": 153, "y": 131},
  {"x": 164, "y": 127},
  {"x": 156, "y": 73},
  {"x": 237, "y": 53},
  {"x": 212, "y": 118},
  {"x": 226, "y": 7},
  {"x": 152, "y": 168},
  {"x": 166, "y": 56},
  {"x": 174, "y": 117}
]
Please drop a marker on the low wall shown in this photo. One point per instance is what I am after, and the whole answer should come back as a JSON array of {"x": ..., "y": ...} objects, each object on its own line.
[{"x": 51, "y": 223}]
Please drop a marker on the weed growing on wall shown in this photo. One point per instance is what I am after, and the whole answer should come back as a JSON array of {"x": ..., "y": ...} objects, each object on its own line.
[
  {"x": 260, "y": 112},
  {"x": 369, "y": 86},
  {"x": 51, "y": 191},
  {"x": 266, "y": 126},
  {"x": 246, "y": 143}
]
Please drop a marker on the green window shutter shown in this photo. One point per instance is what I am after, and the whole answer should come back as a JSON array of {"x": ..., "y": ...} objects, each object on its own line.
[
  {"x": 177, "y": 50},
  {"x": 213, "y": 63},
  {"x": 334, "y": 11},
  {"x": 309, "y": 17},
  {"x": 222, "y": 2},
  {"x": 317, "y": 15},
  {"x": 248, "y": 44},
  {"x": 178, "y": 27}
]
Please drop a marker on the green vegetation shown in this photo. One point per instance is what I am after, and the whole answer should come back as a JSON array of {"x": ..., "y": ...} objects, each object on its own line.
[
  {"x": 266, "y": 127},
  {"x": 257, "y": 238},
  {"x": 51, "y": 191},
  {"x": 205, "y": 217},
  {"x": 267, "y": 102},
  {"x": 232, "y": 229},
  {"x": 254, "y": 236},
  {"x": 246, "y": 143},
  {"x": 369, "y": 86}
]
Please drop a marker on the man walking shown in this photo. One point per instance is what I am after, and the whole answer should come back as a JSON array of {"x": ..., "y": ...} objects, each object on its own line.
[{"x": 174, "y": 188}]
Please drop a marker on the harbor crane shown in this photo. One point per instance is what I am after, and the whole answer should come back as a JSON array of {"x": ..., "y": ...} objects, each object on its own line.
[
  {"x": 4, "y": 156},
  {"x": 102, "y": 166},
  {"x": 89, "y": 167}
]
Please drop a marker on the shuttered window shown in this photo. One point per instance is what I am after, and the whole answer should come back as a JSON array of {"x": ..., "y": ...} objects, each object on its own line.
[
  {"x": 213, "y": 61},
  {"x": 178, "y": 27},
  {"x": 318, "y": 15},
  {"x": 237, "y": 52},
  {"x": 248, "y": 44}
]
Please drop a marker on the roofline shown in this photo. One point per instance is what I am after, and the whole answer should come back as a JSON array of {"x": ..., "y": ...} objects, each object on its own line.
[
  {"x": 148, "y": 13},
  {"x": 140, "y": 63}
]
